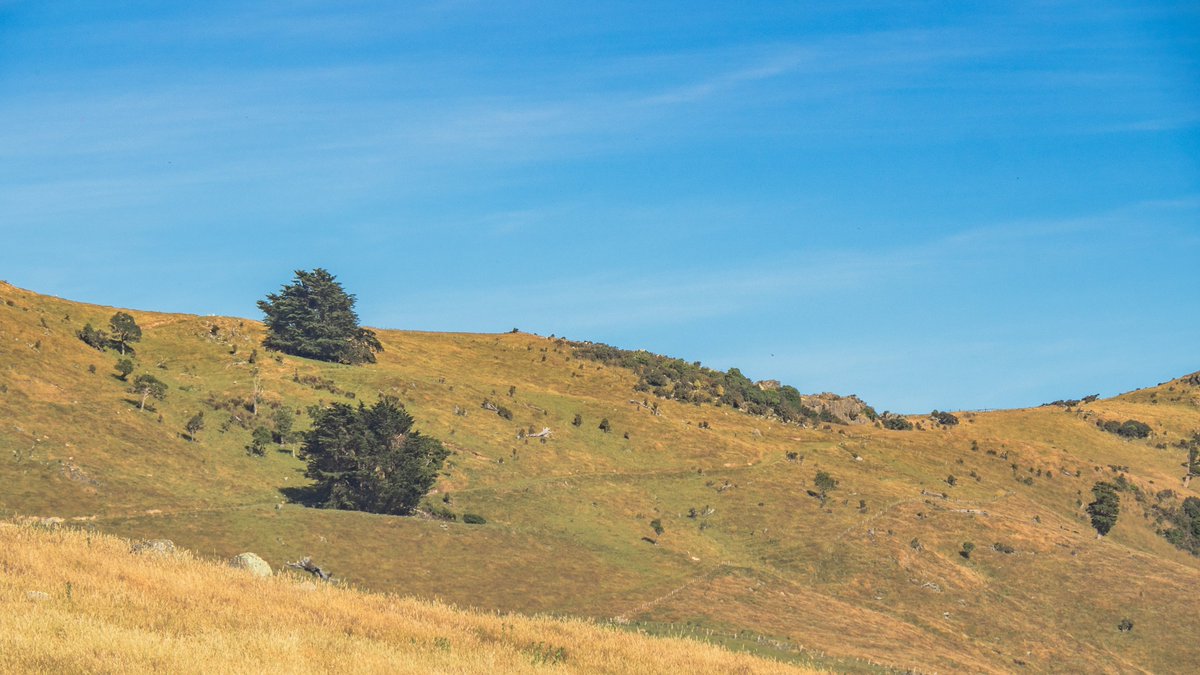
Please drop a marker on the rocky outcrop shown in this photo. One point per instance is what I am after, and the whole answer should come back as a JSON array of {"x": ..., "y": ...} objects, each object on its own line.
[
  {"x": 153, "y": 546},
  {"x": 848, "y": 409}
]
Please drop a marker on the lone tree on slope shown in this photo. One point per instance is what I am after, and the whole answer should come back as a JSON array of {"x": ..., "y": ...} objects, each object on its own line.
[
  {"x": 370, "y": 459},
  {"x": 123, "y": 330},
  {"x": 1107, "y": 507},
  {"x": 124, "y": 368},
  {"x": 313, "y": 317},
  {"x": 148, "y": 386},
  {"x": 825, "y": 484},
  {"x": 194, "y": 425}
]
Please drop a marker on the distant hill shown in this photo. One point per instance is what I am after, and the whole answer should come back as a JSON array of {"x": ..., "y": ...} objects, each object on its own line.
[{"x": 685, "y": 518}]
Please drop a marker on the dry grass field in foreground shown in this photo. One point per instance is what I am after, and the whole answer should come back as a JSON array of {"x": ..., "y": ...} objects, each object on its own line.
[{"x": 77, "y": 602}]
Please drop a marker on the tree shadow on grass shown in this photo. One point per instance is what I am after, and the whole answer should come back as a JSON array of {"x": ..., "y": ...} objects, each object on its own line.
[
  {"x": 137, "y": 404},
  {"x": 305, "y": 495}
]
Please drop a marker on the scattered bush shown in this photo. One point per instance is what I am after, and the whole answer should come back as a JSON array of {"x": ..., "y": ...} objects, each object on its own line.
[
  {"x": 283, "y": 418},
  {"x": 944, "y": 418},
  {"x": 97, "y": 339},
  {"x": 967, "y": 547},
  {"x": 680, "y": 380},
  {"x": 474, "y": 519},
  {"x": 1184, "y": 520},
  {"x": 441, "y": 513},
  {"x": 896, "y": 423},
  {"x": 656, "y": 525},
  {"x": 1000, "y": 547},
  {"x": 320, "y": 383},
  {"x": 824, "y": 484},
  {"x": 1126, "y": 429},
  {"x": 260, "y": 438},
  {"x": 605, "y": 426},
  {"x": 194, "y": 425}
]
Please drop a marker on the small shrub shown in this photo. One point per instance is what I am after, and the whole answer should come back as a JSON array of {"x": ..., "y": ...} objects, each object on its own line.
[
  {"x": 951, "y": 480},
  {"x": 194, "y": 425},
  {"x": 1126, "y": 429},
  {"x": 825, "y": 483},
  {"x": 283, "y": 417},
  {"x": 605, "y": 426},
  {"x": 897, "y": 423},
  {"x": 259, "y": 439},
  {"x": 442, "y": 513},
  {"x": 944, "y": 418},
  {"x": 96, "y": 339},
  {"x": 656, "y": 525},
  {"x": 474, "y": 519},
  {"x": 967, "y": 547},
  {"x": 124, "y": 367},
  {"x": 578, "y": 421},
  {"x": 1125, "y": 626},
  {"x": 1000, "y": 547}
]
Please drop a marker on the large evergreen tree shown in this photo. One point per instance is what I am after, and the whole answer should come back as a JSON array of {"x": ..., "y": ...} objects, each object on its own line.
[
  {"x": 314, "y": 317},
  {"x": 1106, "y": 509},
  {"x": 370, "y": 459}
]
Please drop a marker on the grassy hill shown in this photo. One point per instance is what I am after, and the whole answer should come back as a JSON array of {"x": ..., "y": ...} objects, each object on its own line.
[{"x": 870, "y": 578}]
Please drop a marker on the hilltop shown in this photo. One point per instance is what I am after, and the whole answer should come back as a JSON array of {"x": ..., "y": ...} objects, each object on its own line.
[{"x": 685, "y": 518}]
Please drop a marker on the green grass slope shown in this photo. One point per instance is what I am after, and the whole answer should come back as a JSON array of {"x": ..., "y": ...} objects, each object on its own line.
[{"x": 870, "y": 579}]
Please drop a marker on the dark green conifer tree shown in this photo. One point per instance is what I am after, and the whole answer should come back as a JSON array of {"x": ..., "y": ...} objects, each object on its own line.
[
  {"x": 1106, "y": 508},
  {"x": 314, "y": 317},
  {"x": 370, "y": 459}
]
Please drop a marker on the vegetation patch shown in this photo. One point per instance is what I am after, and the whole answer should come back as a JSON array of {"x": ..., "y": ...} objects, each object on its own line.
[
  {"x": 676, "y": 379},
  {"x": 1126, "y": 429},
  {"x": 368, "y": 459}
]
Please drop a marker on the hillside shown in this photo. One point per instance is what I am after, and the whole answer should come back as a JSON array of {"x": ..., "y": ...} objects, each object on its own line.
[
  {"x": 869, "y": 578},
  {"x": 75, "y": 602}
]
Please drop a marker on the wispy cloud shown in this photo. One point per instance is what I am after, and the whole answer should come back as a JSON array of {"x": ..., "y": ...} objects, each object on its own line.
[{"x": 649, "y": 300}]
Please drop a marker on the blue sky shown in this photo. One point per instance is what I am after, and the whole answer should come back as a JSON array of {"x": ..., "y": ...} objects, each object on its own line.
[{"x": 932, "y": 205}]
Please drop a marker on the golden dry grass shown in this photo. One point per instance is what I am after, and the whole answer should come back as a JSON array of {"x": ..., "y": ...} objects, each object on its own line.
[{"x": 109, "y": 610}]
